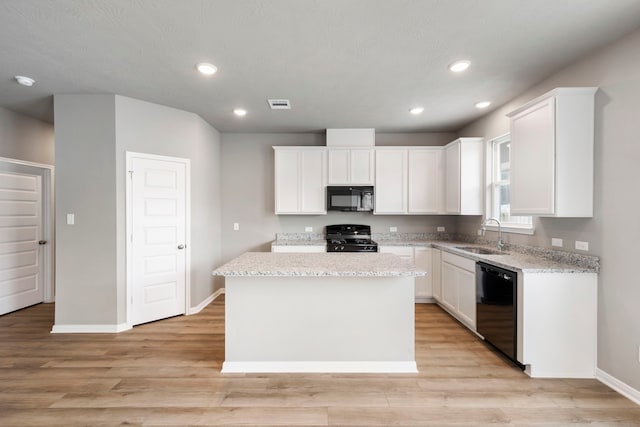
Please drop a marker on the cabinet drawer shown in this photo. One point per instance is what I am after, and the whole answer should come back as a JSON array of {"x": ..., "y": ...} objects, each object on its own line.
[
  {"x": 458, "y": 261},
  {"x": 402, "y": 251}
]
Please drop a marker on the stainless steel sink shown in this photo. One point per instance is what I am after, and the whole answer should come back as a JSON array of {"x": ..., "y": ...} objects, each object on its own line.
[{"x": 480, "y": 251}]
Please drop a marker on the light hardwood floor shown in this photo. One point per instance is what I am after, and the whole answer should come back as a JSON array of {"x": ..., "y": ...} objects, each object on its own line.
[{"x": 168, "y": 373}]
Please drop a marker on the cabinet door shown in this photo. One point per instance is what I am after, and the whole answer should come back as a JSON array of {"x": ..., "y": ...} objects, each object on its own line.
[
  {"x": 425, "y": 181},
  {"x": 467, "y": 297},
  {"x": 533, "y": 160},
  {"x": 452, "y": 200},
  {"x": 362, "y": 167},
  {"x": 312, "y": 181},
  {"x": 436, "y": 274},
  {"x": 339, "y": 160},
  {"x": 391, "y": 182},
  {"x": 449, "y": 276},
  {"x": 424, "y": 284},
  {"x": 287, "y": 190}
]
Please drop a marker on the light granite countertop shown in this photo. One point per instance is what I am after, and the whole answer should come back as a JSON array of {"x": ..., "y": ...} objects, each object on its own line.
[
  {"x": 319, "y": 242},
  {"x": 527, "y": 263},
  {"x": 318, "y": 265},
  {"x": 520, "y": 258}
]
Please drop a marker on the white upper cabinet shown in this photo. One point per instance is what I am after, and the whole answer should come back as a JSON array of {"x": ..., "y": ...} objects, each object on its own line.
[
  {"x": 300, "y": 180},
  {"x": 552, "y": 154},
  {"x": 426, "y": 181},
  {"x": 464, "y": 176},
  {"x": 391, "y": 181},
  {"x": 409, "y": 180},
  {"x": 351, "y": 166}
]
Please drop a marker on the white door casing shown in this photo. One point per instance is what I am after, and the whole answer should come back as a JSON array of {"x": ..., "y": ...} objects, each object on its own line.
[
  {"x": 158, "y": 237},
  {"x": 26, "y": 238}
]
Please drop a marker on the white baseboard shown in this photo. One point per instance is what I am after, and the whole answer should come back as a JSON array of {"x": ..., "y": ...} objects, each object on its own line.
[
  {"x": 89, "y": 329},
  {"x": 319, "y": 367},
  {"x": 624, "y": 389},
  {"x": 198, "y": 308},
  {"x": 425, "y": 300}
]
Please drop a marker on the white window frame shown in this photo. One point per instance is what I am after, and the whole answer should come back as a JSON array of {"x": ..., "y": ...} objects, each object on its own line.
[{"x": 492, "y": 182}]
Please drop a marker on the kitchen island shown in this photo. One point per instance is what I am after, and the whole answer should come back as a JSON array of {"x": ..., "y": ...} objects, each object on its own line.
[{"x": 319, "y": 312}]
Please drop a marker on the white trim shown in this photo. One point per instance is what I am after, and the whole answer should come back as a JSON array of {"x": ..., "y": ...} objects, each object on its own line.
[
  {"x": 89, "y": 329},
  {"x": 198, "y": 308},
  {"x": 624, "y": 389},
  {"x": 425, "y": 300},
  {"x": 130, "y": 155},
  {"x": 48, "y": 222},
  {"x": 319, "y": 367}
]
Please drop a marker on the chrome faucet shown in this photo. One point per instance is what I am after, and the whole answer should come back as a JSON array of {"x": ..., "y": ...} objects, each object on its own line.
[{"x": 484, "y": 230}]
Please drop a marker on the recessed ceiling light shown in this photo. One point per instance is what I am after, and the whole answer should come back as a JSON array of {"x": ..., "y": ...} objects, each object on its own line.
[
  {"x": 25, "y": 81},
  {"x": 206, "y": 68},
  {"x": 240, "y": 112},
  {"x": 416, "y": 110},
  {"x": 483, "y": 104},
  {"x": 459, "y": 66}
]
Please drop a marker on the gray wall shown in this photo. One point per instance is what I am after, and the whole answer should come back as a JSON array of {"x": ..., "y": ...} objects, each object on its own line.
[
  {"x": 93, "y": 132},
  {"x": 248, "y": 192},
  {"x": 85, "y": 185},
  {"x": 614, "y": 228},
  {"x": 24, "y": 138},
  {"x": 145, "y": 127}
]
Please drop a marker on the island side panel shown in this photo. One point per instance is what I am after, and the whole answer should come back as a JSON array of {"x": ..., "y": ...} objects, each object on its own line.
[{"x": 316, "y": 324}]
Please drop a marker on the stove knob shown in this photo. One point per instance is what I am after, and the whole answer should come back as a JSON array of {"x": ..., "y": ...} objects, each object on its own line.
[{"x": 342, "y": 248}]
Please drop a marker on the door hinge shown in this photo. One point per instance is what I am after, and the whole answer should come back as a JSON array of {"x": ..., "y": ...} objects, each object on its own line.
[{"x": 130, "y": 174}]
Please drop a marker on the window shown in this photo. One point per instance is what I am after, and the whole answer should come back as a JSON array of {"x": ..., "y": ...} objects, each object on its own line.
[{"x": 499, "y": 197}]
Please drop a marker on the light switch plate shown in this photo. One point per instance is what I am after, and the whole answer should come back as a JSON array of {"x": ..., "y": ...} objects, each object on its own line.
[
  {"x": 393, "y": 229},
  {"x": 236, "y": 226},
  {"x": 556, "y": 242},
  {"x": 71, "y": 219},
  {"x": 308, "y": 229},
  {"x": 582, "y": 246},
  {"x": 440, "y": 229}
]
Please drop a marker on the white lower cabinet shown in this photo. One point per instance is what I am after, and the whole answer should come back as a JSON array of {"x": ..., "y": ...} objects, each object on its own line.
[
  {"x": 458, "y": 283},
  {"x": 436, "y": 276},
  {"x": 422, "y": 258},
  {"x": 299, "y": 248}
]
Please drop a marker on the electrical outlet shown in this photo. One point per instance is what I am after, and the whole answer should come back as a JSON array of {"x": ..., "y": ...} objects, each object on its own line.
[
  {"x": 582, "y": 246},
  {"x": 393, "y": 229},
  {"x": 480, "y": 232},
  {"x": 71, "y": 219},
  {"x": 440, "y": 229},
  {"x": 236, "y": 226},
  {"x": 308, "y": 229},
  {"x": 556, "y": 242}
]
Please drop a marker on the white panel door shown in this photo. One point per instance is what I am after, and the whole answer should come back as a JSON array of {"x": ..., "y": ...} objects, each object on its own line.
[
  {"x": 159, "y": 235},
  {"x": 21, "y": 266}
]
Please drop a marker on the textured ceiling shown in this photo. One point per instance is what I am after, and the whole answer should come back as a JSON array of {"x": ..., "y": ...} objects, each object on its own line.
[{"x": 341, "y": 63}]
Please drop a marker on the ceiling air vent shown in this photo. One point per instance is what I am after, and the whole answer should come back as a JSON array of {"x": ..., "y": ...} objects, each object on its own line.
[{"x": 279, "y": 104}]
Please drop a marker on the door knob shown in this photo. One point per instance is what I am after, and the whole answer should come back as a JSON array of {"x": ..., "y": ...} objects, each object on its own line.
[
  {"x": 181, "y": 246},
  {"x": 42, "y": 242}
]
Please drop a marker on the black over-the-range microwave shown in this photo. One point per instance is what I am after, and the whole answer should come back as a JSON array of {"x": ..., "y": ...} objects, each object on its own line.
[{"x": 350, "y": 198}]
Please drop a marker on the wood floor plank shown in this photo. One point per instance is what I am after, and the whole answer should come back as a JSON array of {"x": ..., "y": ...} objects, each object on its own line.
[{"x": 168, "y": 373}]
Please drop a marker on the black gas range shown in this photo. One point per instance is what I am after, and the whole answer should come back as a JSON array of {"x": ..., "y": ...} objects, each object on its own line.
[{"x": 350, "y": 238}]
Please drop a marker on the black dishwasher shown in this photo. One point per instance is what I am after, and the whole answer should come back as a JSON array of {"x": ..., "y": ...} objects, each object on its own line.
[{"x": 496, "y": 308}]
